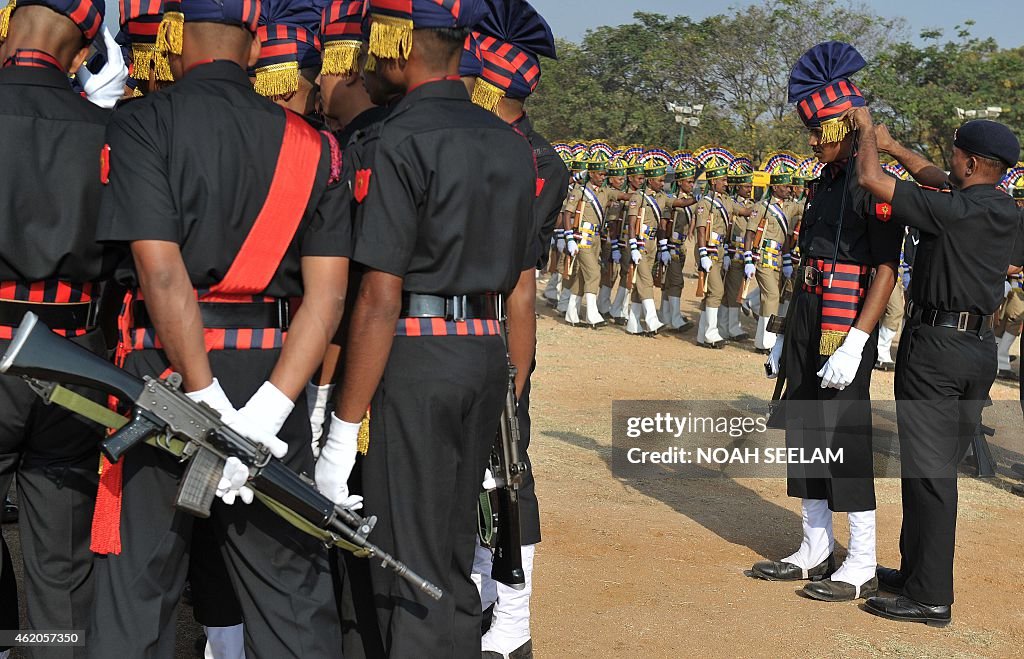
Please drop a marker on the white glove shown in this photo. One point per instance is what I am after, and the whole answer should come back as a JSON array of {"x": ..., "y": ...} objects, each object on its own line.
[
  {"x": 774, "y": 359},
  {"x": 1006, "y": 288},
  {"x": 841, "y": 368},
  {"x": 572, "y": 247},
  {"x": 232, "y": 482},
  {"x": 317, "y": 398},
  {"x": 787, "y": 271},
  {"x": 105, "y": 88},
  {"x": 214, "y": 397},
  {"x": 749, "y": 270},
  {"x": 616, "y": 256},
  {"x": 635, "y": 255},
  {"x": 726, "y": 262},
  {"x": 336, "y": 461},
  {"x": 560, "y": 244},
  {"x": 705, "y": 263},
  {"x": 262, "y": 417},
  {"x": 665, "y": 256}
]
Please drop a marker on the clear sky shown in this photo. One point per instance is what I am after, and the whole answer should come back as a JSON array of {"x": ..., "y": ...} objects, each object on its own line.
[{"x": 570, "y": 19}]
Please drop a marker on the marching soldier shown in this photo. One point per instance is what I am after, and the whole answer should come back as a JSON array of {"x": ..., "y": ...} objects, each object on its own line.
[
  {"x": 741, "y": 178},
  {"x": 685, "y": 167},
  {"x": 634, "y": 184},
  {"x": 425, "y": 342},
  {"x": 768, "y": 234},
  {"x": 140, "y": 27},
  {"x": 205, "y": 304},
  {"x": 578, "y": 178},
  {"x": 648, "y": 217},
  {"x": 52, "y": 170},
  {"x": 289, "y": 61},
  {"x": 611, "y": 234},
  {"x": 827, "y": 356},
  {"x": 1012, "y": 316},
  {"x": 513, "y": 37},
  {"x": 712, "y": 229},
  {"x": 583, "y": 221}
]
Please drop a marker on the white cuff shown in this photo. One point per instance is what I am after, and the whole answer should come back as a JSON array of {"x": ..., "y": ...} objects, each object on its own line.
[
  {"x": 214, "y": 396},
  {"x": 272, "y": 406},
  {"x": 855, "y": 341},
  {"x": 342, "y": 435}
]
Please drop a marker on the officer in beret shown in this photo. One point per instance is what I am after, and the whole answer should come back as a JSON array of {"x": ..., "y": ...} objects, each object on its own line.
[{"x": 946, "y": 364}]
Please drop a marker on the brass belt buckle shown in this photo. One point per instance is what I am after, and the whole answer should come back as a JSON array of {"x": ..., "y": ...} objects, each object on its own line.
[
  {"x": 459, "y": 308},
  {"x": 812, "y": 277},
  {"x": 962, "y": 320}
]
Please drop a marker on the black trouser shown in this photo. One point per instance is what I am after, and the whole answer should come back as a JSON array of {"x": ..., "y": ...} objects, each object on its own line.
[
  {"x": 943, "y": 379},
  {"x": 433, "y": 421},
  {"x": 214, "y": 603},
  {"x": 55, "y": 456},
  {"x": 529, "y": 510},
  {"x": 819, "y": 418},
  {"x": 280, "y": 575}
]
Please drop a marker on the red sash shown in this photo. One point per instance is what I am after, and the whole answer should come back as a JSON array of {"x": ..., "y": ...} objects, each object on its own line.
[{"x": 249, "y": 275}]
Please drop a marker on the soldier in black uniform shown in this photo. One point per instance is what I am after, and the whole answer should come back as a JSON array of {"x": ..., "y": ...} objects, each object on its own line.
[
  {"x": 513, "y": 36},
  {"x": 828, "y": 353},
  {"x": 946, "y": 362},
  {"x": 191, "y": 216},
  {"x": 424, "y": 343},
  {"x": 49, "y": 203}
]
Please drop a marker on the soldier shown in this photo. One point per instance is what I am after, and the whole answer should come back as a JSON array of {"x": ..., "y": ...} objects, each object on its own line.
[
  {"x": 712, "y": 228},
  {"x": 203, "y": 303},
  {"x": 682, "y": 227},
  {"x": 289, "y": 60},
  {"x": 648, "y": 217},
  {"x": 140, "y": 30},
  {"x": 513, "y": 37},
  {"x": 611, "y": 235},
  {"x": 827, "y": 356},
  {"x": 1012, "y": 316},
  {"x": 425, "y": 330},
  {"x": 578, "y": 177},
  {"x": 634, "y": 183},
  {"x": 551, "y": 290},
  {"x": 946, "y": 362},
  {"x": 583, "y": 220},
  {"x": 52, "y": 170},
  {"x": 741, "y": 178},
  {"x": 768, "y": 235},
  {"x": 346, "y": 102}
]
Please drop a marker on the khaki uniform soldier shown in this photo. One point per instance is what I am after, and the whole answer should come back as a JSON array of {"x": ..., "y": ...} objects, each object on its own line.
[
  {"x": 634, "y": 184},
  {"x": 767, "y": 237},
  {"x": 712, "y": 228},
  {"x": 648, "y": 215},
  {"x": 685, "y": 171},
  {"x": 741, "y": 178},
  {"x": 1013, "y": 308},
  {"x": 577, "y": 176},
  {"x": 551, "y": 291},
  {"x": 611, "y": 234},
  {"x": 583, "y": 241}
]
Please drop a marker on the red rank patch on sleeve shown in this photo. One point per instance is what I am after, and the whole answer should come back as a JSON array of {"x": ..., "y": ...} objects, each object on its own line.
[
  {"x": 362, "y": 185},
  {"x": 883, "y": 212},
  {"x": 105, "y": 164},
  {"x": 540, "y": 186}
]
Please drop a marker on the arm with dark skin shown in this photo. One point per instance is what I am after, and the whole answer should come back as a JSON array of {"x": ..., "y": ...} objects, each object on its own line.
[
  {"x": 869, "y": 172},
  {"x": 522, "y": 327},
  {"x": 923, "y": 171},
  {"x": 878, "y": 296},
  {"x": 369, "y": 342}
]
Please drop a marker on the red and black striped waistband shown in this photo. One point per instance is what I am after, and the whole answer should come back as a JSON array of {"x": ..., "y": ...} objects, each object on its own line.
[
  {"x": 818, "y": 276},
  {"x": 66, "y": 308},
  {"x": 442, "y": 327}
]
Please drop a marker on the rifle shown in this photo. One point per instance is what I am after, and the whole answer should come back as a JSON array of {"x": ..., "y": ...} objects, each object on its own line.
[
  {"x": 758, "y": 236},
  {"x": 577, "y": 221},
  {"x": 502, "y": 502},
  {"x": 164, "y": 417},
  {"x": 637, "y": 229},
  {"x": 702, "y": 277}
]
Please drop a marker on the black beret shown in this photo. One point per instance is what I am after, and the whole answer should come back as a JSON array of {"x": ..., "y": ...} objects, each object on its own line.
[{"x": 988, "y": 139}]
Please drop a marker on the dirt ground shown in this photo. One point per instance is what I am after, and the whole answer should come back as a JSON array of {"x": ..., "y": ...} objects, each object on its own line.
[{"x": 655, "y": 568}]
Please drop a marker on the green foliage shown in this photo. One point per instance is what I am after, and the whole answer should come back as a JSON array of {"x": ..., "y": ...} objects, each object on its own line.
[{"x": 614, "y": 84}]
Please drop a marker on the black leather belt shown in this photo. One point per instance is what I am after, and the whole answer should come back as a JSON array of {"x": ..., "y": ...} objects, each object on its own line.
[
  {"x": 453, "y": 307},
  {"x": 961, "y": 321},
  {"x": 229, "y": 315},
  {"x": 67, "y": 316}
]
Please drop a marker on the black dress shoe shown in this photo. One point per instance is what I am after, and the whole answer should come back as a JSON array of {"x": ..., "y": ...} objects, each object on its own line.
[
  {"x": 10, "y": 512},
  {"x": 524, "y": 651},
  {"x": 598, "y": 325},
  {"x": 781, "y": 571},
  {"x": 619, "y": 321},
  {"x": 905, "y": 609},
  {"x": 739, "y": 338},
  {"x": 1018, "y": 469},
  {"x": 890, "y": 580},
  {"x": 827, "y": 590},
  {"x": 763, "y": 351},
  {"x": 717, "y": 345},
  {"x": 1018, "y": 489},
  {"x": 885, "y": 366}
]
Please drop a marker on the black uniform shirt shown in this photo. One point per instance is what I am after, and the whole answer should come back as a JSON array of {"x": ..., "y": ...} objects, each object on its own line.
[
  {"x": 967, "y": 243},
  {"x": 361, "y": 122},
  {"x": 864, "y": 240},
  {"x": 433, "y": 213},
  {"x": 193, "y": 165},
  {"x": 50, "y": 144},
  {"x": 552, "y": 171}
]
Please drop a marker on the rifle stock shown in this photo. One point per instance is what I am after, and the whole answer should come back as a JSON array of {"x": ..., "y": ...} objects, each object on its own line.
[
  {"x": 168, "y": 419},
  {"x": 508, "y": 470}
]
